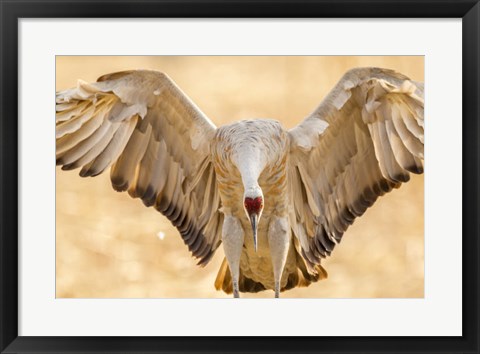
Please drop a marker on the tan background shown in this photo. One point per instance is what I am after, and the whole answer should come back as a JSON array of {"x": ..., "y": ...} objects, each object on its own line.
[{"x": 107, "y": 244}]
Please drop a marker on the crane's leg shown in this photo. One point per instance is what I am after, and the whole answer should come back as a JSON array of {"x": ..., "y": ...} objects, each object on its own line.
[
  {"x": 232, "y": 237},
  {"x": 279, "y": 243}
]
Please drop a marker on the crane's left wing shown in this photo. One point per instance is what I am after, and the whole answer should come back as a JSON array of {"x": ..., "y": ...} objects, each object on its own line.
[
  {"x": 157, "y": 142},
  {"x": 360, "y": 143}
]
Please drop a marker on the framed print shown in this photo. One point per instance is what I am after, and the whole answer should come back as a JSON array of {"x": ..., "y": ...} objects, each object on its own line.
[{"x": 166, "y": 103}]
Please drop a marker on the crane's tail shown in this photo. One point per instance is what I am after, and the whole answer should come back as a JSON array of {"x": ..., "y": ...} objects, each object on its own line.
[
  {"x": 300, "y": 278},
  {"x": 224, "y": 278},
  {"x": 224, "y": 281}
]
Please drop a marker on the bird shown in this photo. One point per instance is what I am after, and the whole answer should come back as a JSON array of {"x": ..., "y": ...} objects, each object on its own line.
[{"x": 277, "y": 200}]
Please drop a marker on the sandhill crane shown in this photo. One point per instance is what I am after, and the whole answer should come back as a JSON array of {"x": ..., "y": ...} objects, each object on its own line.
[{"x": 278, "y": 200}]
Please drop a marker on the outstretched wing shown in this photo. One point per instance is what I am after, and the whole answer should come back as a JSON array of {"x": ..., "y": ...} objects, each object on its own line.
[
  {"x": 360, "y": 143},
  {"x": 157, "y": 142}
]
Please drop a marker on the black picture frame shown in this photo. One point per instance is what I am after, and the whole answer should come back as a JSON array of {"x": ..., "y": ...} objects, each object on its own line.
[{"x": 12, "y": 11}]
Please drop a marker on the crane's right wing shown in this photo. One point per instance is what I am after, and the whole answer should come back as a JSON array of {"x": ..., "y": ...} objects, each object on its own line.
[{"x": 157, "y": 142}]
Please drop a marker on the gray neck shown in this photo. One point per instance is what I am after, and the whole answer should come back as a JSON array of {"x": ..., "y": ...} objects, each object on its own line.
[{"x": 250, "y": 164}]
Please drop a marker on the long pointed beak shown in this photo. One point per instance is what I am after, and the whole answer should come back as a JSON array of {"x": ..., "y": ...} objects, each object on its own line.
[{"x": 254, "y": 221}]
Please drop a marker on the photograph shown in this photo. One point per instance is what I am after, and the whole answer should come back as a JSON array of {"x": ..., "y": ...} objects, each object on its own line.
[{"x": 239, "y": 176}]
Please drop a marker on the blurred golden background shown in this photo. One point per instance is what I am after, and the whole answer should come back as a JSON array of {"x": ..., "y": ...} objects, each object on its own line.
[{"x": 111, "y": 246}]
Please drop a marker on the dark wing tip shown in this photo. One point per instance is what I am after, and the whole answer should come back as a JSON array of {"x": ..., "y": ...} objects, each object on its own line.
[{"x": 415, "y": 169}]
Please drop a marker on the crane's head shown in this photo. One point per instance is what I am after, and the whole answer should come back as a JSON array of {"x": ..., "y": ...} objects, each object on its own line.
[{"x": 253, "y": 205}]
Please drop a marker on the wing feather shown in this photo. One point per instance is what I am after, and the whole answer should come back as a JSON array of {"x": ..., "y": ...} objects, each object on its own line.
[
  {"x": 124, "y": 170},
  {"x": 69, "y": 141},
  {"x": 88, "y": 149}
]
